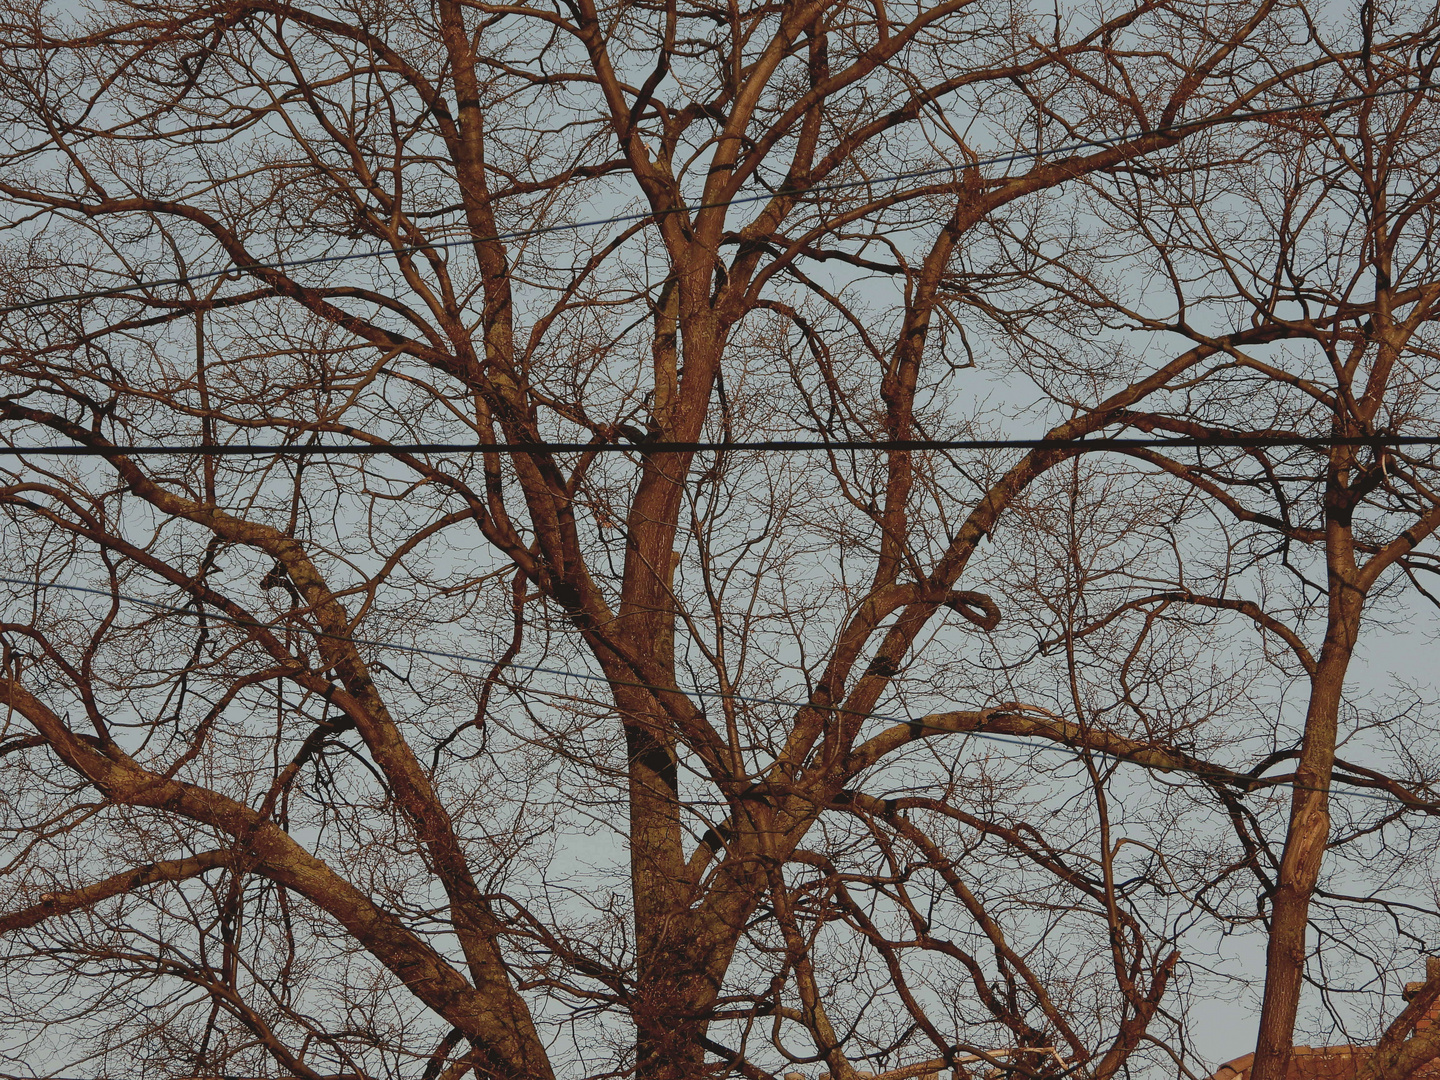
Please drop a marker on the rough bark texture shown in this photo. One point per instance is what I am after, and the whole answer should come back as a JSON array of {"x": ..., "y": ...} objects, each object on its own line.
[{"x": 541, "y": 743}]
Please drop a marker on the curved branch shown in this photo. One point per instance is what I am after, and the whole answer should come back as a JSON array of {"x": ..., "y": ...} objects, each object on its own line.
[
  {"x": 1028, "y": 722},
  {"x": 53, "y": 904},
  {"x": 1248, "y": 608},
  {"x": 492, "y": 1014}
]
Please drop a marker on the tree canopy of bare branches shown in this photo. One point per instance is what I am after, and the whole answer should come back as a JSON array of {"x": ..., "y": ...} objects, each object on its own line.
[{"x": 586, "y": 752}]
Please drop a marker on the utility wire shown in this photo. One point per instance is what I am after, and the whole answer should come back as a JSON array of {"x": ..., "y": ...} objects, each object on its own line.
[
  {"x": 838, "y": 186},
  {"x": 442, "y": 654},
  {"x": 769, "y": 445},
  {"x": 1318, "y": 442},
  {"x": 1236, "y": 779}
]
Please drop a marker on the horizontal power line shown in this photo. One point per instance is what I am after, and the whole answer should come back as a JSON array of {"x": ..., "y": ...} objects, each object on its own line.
[
  {"x": 1318, "y": 442},
  {"x": 1237, "y": 780},
  {"x": 847, "y": 185}
]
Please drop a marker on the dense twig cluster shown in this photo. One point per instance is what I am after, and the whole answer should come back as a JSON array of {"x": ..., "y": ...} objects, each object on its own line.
[{"x": 925, "y": 750}]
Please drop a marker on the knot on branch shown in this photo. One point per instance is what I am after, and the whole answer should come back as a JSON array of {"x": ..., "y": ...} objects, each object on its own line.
[{"x": 975, "y": 606}]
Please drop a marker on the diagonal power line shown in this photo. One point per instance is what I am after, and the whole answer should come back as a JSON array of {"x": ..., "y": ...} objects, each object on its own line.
[
  {"x": 839, "y": 186},
  {"x": 1038, "y": 743}
]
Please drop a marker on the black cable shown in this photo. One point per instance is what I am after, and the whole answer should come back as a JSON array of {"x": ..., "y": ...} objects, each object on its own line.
[
  {"x": 918, "y": 174},
  {"x": 1040, "y": 743},
  {"x": 1317, "y": 442}
]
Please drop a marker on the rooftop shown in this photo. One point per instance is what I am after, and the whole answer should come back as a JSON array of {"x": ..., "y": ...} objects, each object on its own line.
[{"x": 1320, "y": 1063}]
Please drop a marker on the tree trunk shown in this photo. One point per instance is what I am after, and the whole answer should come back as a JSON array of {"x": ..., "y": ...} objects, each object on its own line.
[{"x": 1309, "y": 827}]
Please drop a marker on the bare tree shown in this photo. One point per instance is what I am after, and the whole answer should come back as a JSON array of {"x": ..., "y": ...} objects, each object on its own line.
[
  {"x": 1341, "y": 286},
  {"x": 591, "y": 752}
]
